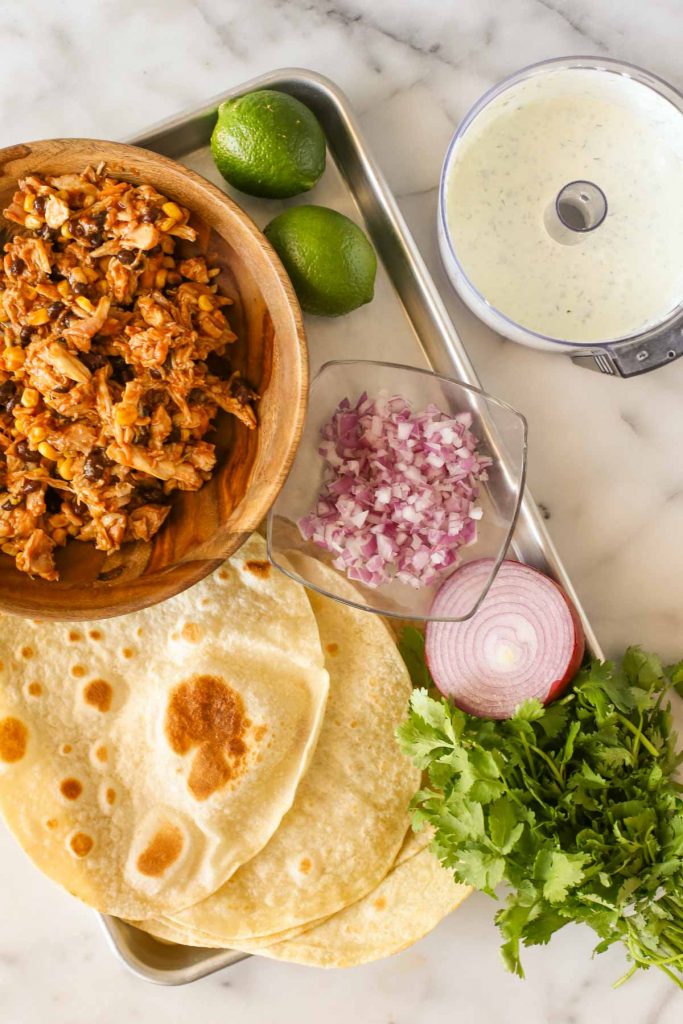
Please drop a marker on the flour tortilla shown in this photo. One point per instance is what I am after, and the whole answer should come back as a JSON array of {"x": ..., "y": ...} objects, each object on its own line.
[
  {"x": 123, "y": 771},
  {"x": 350, "y": 814},
  {"x": 409, "y": 903}
]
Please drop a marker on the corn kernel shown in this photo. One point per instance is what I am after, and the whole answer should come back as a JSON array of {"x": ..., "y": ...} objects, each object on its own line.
[
  {"x": 37, "y": 434},
  {"x": 9, "y": 549},
  {"x": 102, "y": 286},
  {"x": 84, "y": 302},
  {"x": 59, "y": 536},
  {"x": 78, "y": 275},
  {"x": 30, "y": 398},
  {"x": 22, "y": 423},
  {"x": 160, "y": 278},
  {"x": 65, "y": 230},
  {"x": 29, "y": 202},
  {"x": 88, "y": 201},
  {"x": 38, "y": 316},
  {"x": 47, "y": 451},
  {"x": 66, "y": 469},
  {"x": 167, "y": 224},
  {"x": 90, "y": 274},
  {"x": 172, "y": 210},
  {"x": 167, "y": 244},
  {"x": 205, "y": 303},
  {"x": 214, "y": 272},
  {"x": 32, "y": 222},
  {"x": 125, "y": 415},
  {"x": 14, "y": 357},
  {"x": 72, "y": 530},
  {"x": 64, "y": 289},
  {"x": 168, "y": 262}
]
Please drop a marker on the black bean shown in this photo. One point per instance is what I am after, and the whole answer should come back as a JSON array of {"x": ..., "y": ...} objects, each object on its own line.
[
  {"x": 46, "y": 233},
  {"x": 8, "y": 390},
  {"x": 78, "y": 229},
  {"x": 12, "y": 403},
  {"x": 23, "y": 452},
  {"x": 195, "y": 395},
  {"x": 120, "y": 370},
  {"x": 39, "y": 204},
  {"x": 66, "y": 321},
  {"x": 100, "y": 218},
  {"x": 53, "y": 501},
  {"x": 54, "y": 275},
  {"x": 168, "y": 361},
  {"x": 174, "y": 436},
  {"x": 95, "y": 464},
  {"x": 17, "y": 266},
  {"x": 154, "y": 251},
  {"x": 96, "y": 239},
  {"x": 9, "y": 505},
  {"x": 55, "y": 309},
  {"x": 126, "y": 256},
  {"x": 150, "y": 215},
  {"x": 25, "y": 335},
  {"x": 142, "y": 436},
  {"x": 79, "y": 507},
  {"x": 155, "y": 374},
  {"x": 31, "y": 485},
  {"x": 93, "y": 360},
  {"x": 78, "y": 288}
]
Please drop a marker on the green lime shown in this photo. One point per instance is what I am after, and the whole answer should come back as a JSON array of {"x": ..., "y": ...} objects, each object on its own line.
[
  {"x": 328, "y": 258},
  {"x": 268, "y": 144}
]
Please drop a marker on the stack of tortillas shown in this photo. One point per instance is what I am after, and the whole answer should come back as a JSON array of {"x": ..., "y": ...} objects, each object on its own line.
[{"x": 222, "y": 769}]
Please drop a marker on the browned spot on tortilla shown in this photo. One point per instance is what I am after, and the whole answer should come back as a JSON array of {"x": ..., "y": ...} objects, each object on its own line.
[
  {"x": 139, "y": 631},
  {"x": 111, "y": 795},
  {"x": 71, "y": 789},
  {"x": 222, "y": 575},
  {"x": 2, "y": 665},
  {"x": 13, "y": 740},
  {"x": 98, "y": 694},
  {"x": 260, "y": 569},
  {"x": 354, "y": 724},
  {"x": 128, "y": 652},
  {"x": 95, "y": 634},
  {"x": 163, "y": 850},
  {"x": 35, "y": 689},
  {"x": 27, "y": 652},
  {"x": 65, "y": 748},
  {"x": 51, "y": 823},
  {"x": 332, "y": 649},
  {"x": 102, "y": 754},
  {"x": 77, "y": 671},
  {"x": 81, "y": 844},
  {"x": 305, "y": 865},
  {"x": 192, "y": 633},
  {"x": 380, "y": 903},
  {"x": 260, "y": 731},
  {"x": 75, "y": 636},
  {"x": 205, "y": 712}
]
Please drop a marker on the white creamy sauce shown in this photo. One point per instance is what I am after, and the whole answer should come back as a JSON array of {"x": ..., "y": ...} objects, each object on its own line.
[{"x": 561, "y": 126}]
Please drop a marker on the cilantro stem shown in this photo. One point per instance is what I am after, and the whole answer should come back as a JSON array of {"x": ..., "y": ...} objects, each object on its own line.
[
  {"x": 639, "y": 734},
  {"x": 550, "y": 763}
]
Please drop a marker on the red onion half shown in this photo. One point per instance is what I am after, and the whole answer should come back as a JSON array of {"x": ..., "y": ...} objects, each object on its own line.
[{"x": 524, "y": 641}]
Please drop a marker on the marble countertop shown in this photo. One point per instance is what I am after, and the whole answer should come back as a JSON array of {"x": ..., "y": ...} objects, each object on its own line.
[{"x": 604, "y": 454}]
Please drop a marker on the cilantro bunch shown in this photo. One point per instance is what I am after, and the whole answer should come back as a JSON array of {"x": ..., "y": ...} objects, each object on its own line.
[{"x": 574, "y": 806}]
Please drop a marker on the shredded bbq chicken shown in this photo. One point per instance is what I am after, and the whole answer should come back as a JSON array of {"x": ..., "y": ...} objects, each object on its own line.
[{"x": 113, "y": 365}]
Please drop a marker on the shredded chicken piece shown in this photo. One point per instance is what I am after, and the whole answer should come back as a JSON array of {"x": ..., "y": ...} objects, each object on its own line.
[{"x": 105, "y": 392}]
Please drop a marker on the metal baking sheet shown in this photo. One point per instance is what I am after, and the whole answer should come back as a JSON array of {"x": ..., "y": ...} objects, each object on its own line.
[{"x": 406, "y": 323}]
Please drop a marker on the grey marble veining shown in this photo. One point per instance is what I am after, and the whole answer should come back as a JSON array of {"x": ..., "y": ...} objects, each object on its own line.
[{"x": 604, "y": 455}]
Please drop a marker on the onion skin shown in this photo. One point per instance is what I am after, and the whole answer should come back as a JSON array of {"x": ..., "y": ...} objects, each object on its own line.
[{"x": 464, "y": 657}]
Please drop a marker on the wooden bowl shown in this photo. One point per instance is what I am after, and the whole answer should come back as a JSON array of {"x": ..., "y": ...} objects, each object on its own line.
[{"x": 204, "y": 526}]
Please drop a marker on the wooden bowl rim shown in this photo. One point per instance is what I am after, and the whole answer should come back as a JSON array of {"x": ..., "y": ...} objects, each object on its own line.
[{"x": 173, "y": 579}]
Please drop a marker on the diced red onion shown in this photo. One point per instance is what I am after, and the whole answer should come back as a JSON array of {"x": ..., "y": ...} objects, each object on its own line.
[
  {"x": 524, "y": 641},
  {"x": 400, "y": 490}
]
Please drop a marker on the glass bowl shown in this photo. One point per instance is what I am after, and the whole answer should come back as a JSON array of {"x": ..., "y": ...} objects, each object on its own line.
[{"x": 502, "y": 435}]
